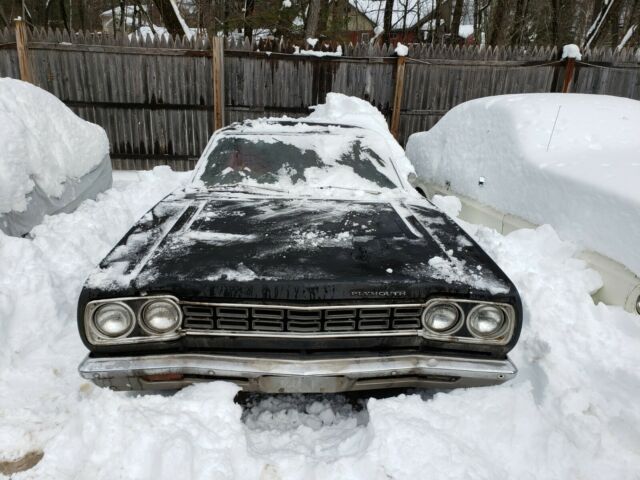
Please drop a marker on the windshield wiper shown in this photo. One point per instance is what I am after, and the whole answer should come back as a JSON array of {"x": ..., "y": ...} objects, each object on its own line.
[
  {"x": 242, "y": 187},
  {"x": 373, "y": 192}
]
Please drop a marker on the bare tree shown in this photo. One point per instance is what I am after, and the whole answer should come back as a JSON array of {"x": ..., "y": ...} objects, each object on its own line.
[
  {"x": 456, "y": 18},
  {"x": 311, "y": 29}
]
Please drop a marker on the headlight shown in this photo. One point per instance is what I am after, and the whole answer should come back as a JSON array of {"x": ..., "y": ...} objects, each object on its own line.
[
  {"x": 160, "y": 316},
  {"x": 114, "y": 319},
  {"x": 442, "y": 318},
  {"x": 486, "y": 321}
]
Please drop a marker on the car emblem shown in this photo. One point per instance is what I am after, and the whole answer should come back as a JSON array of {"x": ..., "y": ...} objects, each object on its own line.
[{"x": 378, "y": 293}]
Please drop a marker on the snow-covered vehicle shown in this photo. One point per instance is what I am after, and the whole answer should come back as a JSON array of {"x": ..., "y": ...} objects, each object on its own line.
[
  {"x": 51, "y": 160},
  {"x": 568, "y": 160},
  {"x": 298, "y": 260}
]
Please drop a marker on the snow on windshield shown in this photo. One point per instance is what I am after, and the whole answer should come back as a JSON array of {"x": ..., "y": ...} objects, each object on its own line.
[{"x": 318, "y": 158}]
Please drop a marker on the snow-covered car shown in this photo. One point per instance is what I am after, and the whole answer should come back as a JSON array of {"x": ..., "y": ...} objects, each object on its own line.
[
  {"x": 51, "y": 160},
  {"x": 298, "y": 260}
]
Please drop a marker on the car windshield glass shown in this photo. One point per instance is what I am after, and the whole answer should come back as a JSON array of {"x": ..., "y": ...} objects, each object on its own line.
[{"x": 301, "y": 161}]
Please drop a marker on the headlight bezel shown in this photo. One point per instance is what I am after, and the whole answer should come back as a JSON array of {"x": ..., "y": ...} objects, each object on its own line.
[
  {"x": 136, "y": 334},
  {"x": 126, "y": 332},
  {"x": 425, "y": 317},
  {"x": 463, "y": 334},
  {"x": 149, "y": 329}
]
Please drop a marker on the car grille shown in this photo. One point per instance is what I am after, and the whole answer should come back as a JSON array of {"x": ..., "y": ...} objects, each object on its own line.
[{"x": 268, "y": 318}]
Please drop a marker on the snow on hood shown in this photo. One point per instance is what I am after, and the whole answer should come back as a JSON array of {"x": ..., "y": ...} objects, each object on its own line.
[
  {"x": 570, "y": 160},
  {"x": 43, "y": 143}
]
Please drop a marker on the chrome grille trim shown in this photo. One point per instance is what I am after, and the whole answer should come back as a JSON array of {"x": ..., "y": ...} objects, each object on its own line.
[{"x": 201, "y": 318}]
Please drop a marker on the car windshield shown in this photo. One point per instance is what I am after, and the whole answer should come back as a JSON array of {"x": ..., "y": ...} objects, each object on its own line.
[{"x": 292, "y": 161}]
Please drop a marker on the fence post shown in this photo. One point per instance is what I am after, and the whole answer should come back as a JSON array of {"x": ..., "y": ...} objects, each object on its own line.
[
  {"x": 217, "y": 71},
  {"x": 568, "y": 74},
  {"x": 397, "y": 96},
  {"x": 23, "y": 51}
]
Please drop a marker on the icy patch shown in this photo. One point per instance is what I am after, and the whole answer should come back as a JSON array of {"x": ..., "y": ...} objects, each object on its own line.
[
  {"x": 242, "y": 273},
  {"x": 218, "y": 238},
  {"x": 454, "y": 270}
]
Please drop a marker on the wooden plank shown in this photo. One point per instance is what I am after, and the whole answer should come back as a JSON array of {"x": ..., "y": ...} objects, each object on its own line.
[
  {"x": 23, "y": 51},
  {"x": 397, "y": 96},
  {"x": 217, "y": 77}
]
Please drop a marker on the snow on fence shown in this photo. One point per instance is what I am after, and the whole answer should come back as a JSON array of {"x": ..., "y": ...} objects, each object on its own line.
[{"x": 155, "y": 95}]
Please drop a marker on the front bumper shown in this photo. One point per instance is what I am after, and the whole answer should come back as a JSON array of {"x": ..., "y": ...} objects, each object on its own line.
[{"x": 296, "y": 375}]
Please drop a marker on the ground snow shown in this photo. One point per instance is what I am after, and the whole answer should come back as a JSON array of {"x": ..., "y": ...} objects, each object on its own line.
[
  {"x": 43, "y": 142},
  {"x": 572, "y": 412},
  {"x": 569, "y": 160}
]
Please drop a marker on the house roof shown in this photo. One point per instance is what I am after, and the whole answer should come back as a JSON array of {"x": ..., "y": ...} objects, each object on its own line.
[{"x": 406, "y": 13}]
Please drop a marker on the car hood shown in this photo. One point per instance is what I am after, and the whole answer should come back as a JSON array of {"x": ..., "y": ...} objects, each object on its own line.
[{"x": 238, "y": 246}]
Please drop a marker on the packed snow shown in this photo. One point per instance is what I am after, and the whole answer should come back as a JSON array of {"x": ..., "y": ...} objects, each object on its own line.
[
  {"x": 401, "y": 50},
  {"x": 43, "y": 143},
  {"x": 571, "y": 412},
  {"x": 571, "y": 51},
  {"x": 569, "y": 160}
]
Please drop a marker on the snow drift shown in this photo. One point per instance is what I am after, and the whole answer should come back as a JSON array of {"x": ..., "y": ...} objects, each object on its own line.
[
  {"x": 44, "y": 144},
  {"x": 569, "y": 160}
]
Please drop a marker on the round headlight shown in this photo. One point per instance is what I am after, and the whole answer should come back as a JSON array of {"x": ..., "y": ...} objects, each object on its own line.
[
  {"x": 114, "y": 319},
  {"x": 442, "y": 317},
  {"x": 486, "y": 321},
  {"x": 160, "y": 316}
]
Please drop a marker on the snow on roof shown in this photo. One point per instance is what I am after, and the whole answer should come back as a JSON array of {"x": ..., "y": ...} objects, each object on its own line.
[
  {"x": 43, "y": 143},
  {"x": 465, "y": 31},
  {"x": 406, "y": 13},
  {"x": 570, "y": 160}
]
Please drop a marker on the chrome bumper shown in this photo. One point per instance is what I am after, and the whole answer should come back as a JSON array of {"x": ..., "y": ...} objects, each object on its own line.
[{"x": 280, "y": 375}]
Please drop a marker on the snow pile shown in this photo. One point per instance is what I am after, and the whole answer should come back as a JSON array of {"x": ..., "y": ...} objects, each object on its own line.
[
  {"x": 465, "y": 31},
  {"x": 43, "y": 143},
  {"x": 565, "y": 159},
  {"x": 571, "y": 412},
  {"x": 343, "y": 109},
  {"x": 317, "y": 53},
  {"x": 571, "y": 51},
  {"x": 401, "y": 50}
]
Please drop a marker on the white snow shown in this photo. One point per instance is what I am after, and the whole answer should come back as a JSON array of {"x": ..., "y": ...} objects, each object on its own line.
[
  {"x": 571, "y": 412},
  {"x": 42, "y": 143},
  {"x": 286, "y": 3},
  {"x": 348, "y": 110},
  {"x": 401, "y": 50},
  {"x": 571, "y": 51},
  {"x": 318, "y": 53},
  {"x": 465, "y": 30},
  {"x": 569, "y": 160},
  {"x": 312, "y": 42}
]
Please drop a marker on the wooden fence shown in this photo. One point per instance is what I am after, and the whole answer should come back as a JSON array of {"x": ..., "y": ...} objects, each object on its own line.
[{"x": 155, "y": 96}]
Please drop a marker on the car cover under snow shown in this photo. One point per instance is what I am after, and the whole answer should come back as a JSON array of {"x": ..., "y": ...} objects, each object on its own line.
[{"x": 40, "y": 204}]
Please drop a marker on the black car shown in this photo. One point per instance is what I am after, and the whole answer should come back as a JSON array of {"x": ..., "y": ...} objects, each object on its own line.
[{"x": 298, "y": 260}]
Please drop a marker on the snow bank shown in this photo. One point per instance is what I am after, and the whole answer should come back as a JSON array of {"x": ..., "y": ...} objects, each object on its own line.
[
  {"x": 572, "y": 412},
  {"x": 569, "y": 160},
  {"x": 43, "y": 143}
]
